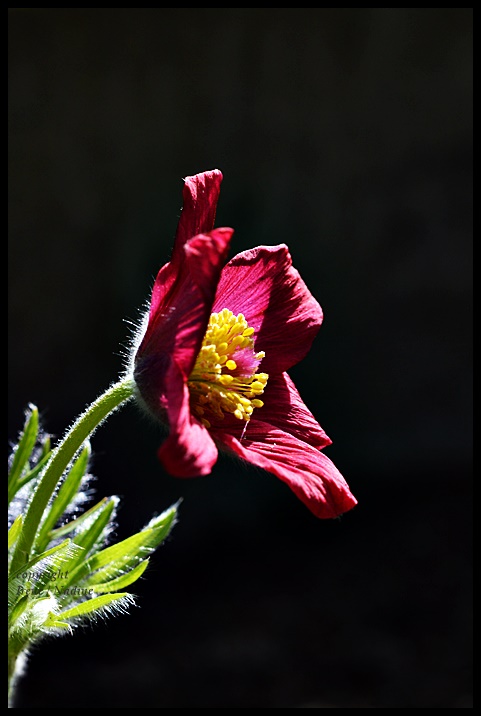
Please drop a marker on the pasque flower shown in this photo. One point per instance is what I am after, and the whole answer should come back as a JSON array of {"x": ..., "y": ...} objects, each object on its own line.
[{"x": 212, "y": 361}]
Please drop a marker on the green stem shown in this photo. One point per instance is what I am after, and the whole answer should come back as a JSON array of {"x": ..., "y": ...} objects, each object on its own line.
[{"x": 83, "y": 427}]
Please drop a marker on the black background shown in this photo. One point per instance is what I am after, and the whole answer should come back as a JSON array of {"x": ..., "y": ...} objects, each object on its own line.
[{"x": 347, "y": 134}]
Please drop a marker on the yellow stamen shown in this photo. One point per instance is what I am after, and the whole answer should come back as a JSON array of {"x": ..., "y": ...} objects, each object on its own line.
[{"x": 211, "y": 388}]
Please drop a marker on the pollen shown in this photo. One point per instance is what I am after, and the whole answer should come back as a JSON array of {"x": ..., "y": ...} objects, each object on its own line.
[{"x": 225, "y": 378}]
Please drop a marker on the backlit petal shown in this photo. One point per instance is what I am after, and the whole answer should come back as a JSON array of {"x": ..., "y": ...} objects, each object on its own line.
[
  {"x": 200, "y": 196},
  {"x": 309, "y": 473},
  {"x": 178, "y": 326},
  {"x": 264, "y": 286},
  {"x": 189, "y": 449},
  {"x": 284, "y": 409}
]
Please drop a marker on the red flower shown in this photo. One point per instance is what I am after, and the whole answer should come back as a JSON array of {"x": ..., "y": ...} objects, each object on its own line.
[{"x": 213, "y": 359}]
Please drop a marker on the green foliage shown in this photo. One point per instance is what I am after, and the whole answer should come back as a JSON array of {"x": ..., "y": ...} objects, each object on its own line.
[
  {"x": 58, "y": 462},
  {"x": 65, "y": 495},
  {"x": 22, "y": 452},
  {"x": 70, "y": 574}
]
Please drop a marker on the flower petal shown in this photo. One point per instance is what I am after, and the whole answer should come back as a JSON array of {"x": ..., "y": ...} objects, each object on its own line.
[
  {"x": 178, "y": 325},
  {"x": 309, "y": 473},
  {"x": 200, "y": 197},
  {"x": 264, "y": 286},
  {"x": 284, "y": 409},
  {"x": 189, "y": 449}
]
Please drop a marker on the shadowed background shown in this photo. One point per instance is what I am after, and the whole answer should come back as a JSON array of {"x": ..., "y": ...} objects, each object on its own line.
[{"x": 346, "y": 134}]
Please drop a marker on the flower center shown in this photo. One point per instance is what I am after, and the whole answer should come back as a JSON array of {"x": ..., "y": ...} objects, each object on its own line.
[{"x": 225, "y": 378}]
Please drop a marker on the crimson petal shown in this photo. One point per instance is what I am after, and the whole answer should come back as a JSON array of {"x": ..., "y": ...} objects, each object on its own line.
[
  {"x": 263, "y": 285},
  {"x": 200, "y": 196},
  {"x": 177, "y": 327},
  {"x": 309, "y": 473},
  {"x": 189, "y": 450},
  {"x": 285, "y": 409},
  {"x": 181, "y": 303}
]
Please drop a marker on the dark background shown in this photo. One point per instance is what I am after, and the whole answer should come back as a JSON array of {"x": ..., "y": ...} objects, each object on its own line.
[{"x": 347, "y": 134}]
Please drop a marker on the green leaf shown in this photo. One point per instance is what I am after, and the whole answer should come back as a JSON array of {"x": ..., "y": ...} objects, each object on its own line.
[
  {"x": 144, "y": 541},
  {"x": 19, "y": 608},
  {"x": 13, "y": 489},
  {"x": 27, "y": 620},
  {"x": 14, "y": 531},
  {"x": 58, "y": 625},
  {"x": 121, "y": 582},
  {"x": 77, "y": 522},
  {"x": 91, "y": 605},
  {"x": 114, "y": 560},
  {"x": 65, "y": 495},
  {"x": 66, "y": 546},
  {"x": 35, "y": 576},
  {"x": 25, "y": 446},
  {"x": 89, "y": 537}
]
